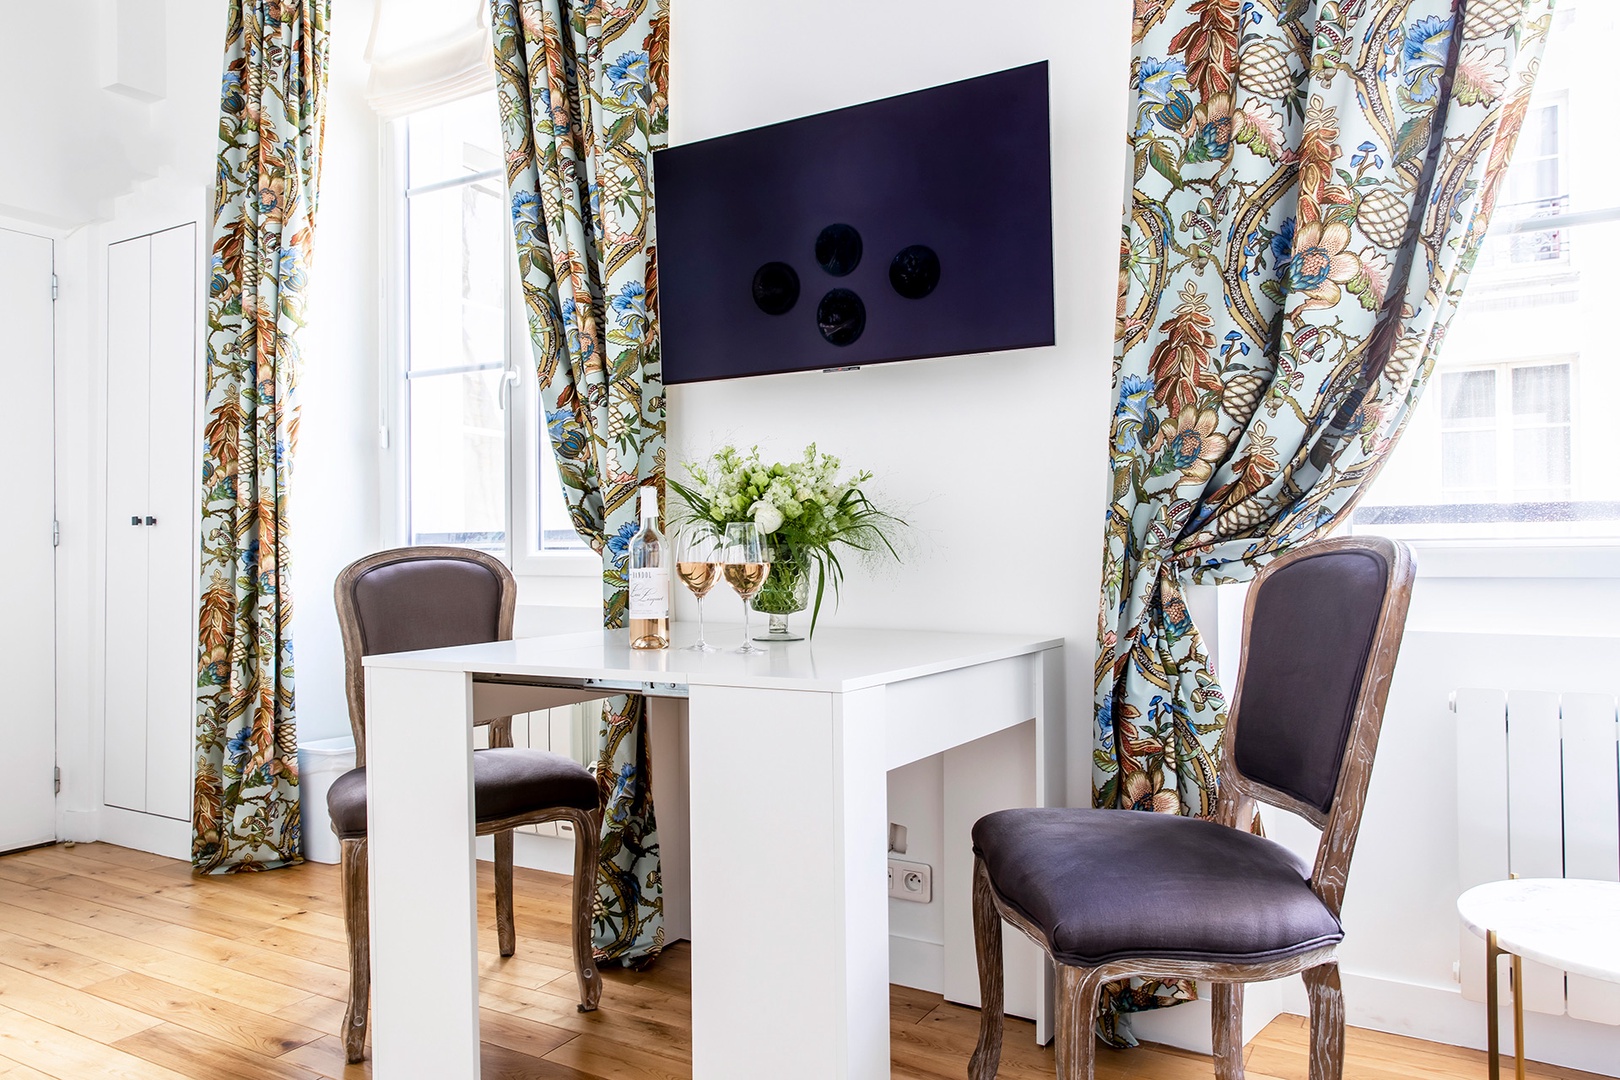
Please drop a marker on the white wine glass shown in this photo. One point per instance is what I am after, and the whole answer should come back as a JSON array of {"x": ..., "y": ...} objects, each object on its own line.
[
  {"x": 746, "y": 564},
  {"x": 697, "y": 564}
]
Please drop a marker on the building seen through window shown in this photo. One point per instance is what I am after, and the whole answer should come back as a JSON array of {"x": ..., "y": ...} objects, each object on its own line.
[{"x": 1511, "y": 435}]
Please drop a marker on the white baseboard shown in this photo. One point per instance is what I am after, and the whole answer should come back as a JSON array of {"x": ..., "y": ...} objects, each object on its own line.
[
  {"x": 80, "y": 826},
  {"x": 1434, "y": 1013},
  {"x": 144, "y": 832},
  {"x": 917, "y": 964},
  {"x": 1441, "y": 1014}
]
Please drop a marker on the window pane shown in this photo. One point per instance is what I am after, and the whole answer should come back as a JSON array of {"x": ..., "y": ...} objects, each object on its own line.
[
  {"x": 457, "y": 139},
  {"x": 1541, "y": 394},
  {"x": 1541, "y": 463},
  {"x": 1468, "y": 464},
  {"x": 556, "y": 525},
  {"x": 1468, "y": 395},
  {"x": 458, "y": 263},
  {"x": 458, "y": 460}
]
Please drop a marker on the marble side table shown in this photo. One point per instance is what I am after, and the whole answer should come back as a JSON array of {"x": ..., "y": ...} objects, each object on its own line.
[{"x": 1565, "y": 923}]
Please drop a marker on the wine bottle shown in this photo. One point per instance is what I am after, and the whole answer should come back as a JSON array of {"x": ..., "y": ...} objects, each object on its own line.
[{"x": 649, "y": 579}]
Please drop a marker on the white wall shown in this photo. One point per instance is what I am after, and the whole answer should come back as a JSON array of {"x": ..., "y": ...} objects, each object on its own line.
[
  {"x": 996, "y": 460},
  {"x": 335, "y": 482}
]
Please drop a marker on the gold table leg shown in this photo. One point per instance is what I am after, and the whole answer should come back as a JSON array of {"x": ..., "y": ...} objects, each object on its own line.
[
  {"x": 1518, "y": 1017},
  {"x": 1493, "y": 1042},
  {"x": 1493, "y": 1045}
]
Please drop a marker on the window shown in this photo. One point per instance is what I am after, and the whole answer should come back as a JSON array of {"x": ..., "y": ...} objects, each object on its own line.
[
  {"x": 1504, "y": 433},
  {"x": 476, "y": 468},
  {"x": 1533, "y": 190},
  {"x": 1511, "y": 438}
]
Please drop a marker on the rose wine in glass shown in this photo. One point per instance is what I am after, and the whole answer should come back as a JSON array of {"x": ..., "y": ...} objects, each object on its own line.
[
  {"x": 747, "y": 563},
  {"x": 697, "y": 564}
]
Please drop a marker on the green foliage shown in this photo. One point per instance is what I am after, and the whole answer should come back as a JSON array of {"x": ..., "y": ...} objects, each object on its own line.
[{"x": 803, "y": 508}]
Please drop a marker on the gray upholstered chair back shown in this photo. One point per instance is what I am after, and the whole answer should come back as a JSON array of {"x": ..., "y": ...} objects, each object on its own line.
[
  {"x": 1321, "y": 633},
  {"x": 418, "y": 598},
  {"x": 1308, "y": 644}
]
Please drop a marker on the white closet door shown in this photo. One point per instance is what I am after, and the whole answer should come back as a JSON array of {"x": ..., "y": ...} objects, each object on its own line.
[
  {"x": 129, "y": 305},
  {"x": 28, "y": 509},
  {"x": 172, "y": 500}
]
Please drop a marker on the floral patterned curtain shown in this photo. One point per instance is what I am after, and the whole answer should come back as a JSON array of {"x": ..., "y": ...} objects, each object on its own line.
[
  {"x": 584, "y": 103},
  {"x": 1311, "y": 183},
  {"x": 245, "y": 811}
]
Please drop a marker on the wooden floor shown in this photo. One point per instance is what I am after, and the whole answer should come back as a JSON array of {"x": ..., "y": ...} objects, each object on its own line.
[{"x": 118, "y": 964}]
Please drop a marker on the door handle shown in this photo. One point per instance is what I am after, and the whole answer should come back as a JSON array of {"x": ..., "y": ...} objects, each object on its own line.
[
  {"x": 135, "y": 520},
  {"x": 151, "y": 521}
]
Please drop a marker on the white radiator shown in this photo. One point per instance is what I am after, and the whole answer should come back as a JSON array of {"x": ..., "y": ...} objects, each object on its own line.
[{"x": 1538, "y": 795}]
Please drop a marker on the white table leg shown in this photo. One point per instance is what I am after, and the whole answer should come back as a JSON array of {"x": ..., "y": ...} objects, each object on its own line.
[
  {"x": 424, "y": 906},
  {"x": 790, "y": 953}
]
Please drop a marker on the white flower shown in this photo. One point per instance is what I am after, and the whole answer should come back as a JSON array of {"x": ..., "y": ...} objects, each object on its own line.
[{"x": 766, "y": 516}]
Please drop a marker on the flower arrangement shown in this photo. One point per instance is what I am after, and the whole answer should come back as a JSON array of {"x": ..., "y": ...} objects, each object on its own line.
[{"x": 804, "y": 510}]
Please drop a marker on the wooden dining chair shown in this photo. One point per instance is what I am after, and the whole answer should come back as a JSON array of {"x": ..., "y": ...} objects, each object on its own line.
[
  {"x": 428, "y": 598},
  {"x": 1111, "y": 894}
]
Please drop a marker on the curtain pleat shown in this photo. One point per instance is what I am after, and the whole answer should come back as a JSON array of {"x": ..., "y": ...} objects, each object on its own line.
[
  {"x": 583, "y": 91},
  {"x": 245, "y": 807},
  {"x": 1310, "y": 184}
]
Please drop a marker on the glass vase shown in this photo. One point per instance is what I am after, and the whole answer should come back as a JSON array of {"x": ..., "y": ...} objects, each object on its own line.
[{"x": 786, "y": 591}]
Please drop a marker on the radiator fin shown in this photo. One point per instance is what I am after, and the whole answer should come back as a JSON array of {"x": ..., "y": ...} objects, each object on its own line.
[{"x": 1538, "y": 795}]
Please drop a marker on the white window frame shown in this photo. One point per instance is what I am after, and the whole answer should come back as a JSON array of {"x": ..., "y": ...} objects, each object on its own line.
[
  {"x": 1505, "y": 422},
  {"x": 522, "y": 411}
]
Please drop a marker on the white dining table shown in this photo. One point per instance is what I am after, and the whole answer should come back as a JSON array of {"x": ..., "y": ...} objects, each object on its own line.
[{"x": 769, "y": 777}]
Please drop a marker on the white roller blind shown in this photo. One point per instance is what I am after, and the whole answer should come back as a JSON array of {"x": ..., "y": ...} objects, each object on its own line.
[{"x": 425, "y": 52}]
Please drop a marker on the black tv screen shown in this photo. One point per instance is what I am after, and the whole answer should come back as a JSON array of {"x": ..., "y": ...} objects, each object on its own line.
[{"x": 919, "y": 225}]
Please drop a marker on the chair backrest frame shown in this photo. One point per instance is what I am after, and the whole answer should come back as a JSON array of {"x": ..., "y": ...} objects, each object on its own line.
[
  {"x": 353, "y": 647},
  {"x": 1342, "y": 820}
]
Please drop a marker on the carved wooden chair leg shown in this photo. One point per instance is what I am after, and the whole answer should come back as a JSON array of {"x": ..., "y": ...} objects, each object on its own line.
[
  {"x": 587, "y": 853},
  {"x": 1078, "y": 992},
  {"x": 1327, "y": 1021},
  {"x": 1227, "y": 1012},
  {"x": 357, "y": 919},
  {"x": 505, "y": 926},
  {"x": 992, "y": 1007}
]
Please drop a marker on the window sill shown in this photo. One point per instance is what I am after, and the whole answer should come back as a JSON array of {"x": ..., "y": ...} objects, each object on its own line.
[
  {"x": 1517, "y": 558},
  {"x": 565, "y": 564}
]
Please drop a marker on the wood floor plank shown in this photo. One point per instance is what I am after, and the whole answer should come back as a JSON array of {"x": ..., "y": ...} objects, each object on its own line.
[
  {"x": 59, "y": 965},
  {"x": 16, "y": 1070},
  {"x": 243, "y": 976},
  {"x": 324, "y": 1057},
  {"x": 205, "y": 1058},
  {"x": 268, "y": 1035},
  {"x": 66, "y": 1055},
  {"x": 249, "y": 991},
  {"x": 68, "y": 1007}
]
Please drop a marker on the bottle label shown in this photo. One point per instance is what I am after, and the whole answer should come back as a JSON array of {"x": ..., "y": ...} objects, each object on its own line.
[{"x": 649, "y": 593}]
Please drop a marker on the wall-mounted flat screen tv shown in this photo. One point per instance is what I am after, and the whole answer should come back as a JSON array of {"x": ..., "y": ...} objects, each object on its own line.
[{"x": 915, "y": 226}]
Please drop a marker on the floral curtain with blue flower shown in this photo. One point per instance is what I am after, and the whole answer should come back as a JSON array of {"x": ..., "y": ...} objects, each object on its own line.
[
  {"x": 245, "y": 809},
  {"x": 1311, "y": 182},
  {"x": 583, "y": 92}
]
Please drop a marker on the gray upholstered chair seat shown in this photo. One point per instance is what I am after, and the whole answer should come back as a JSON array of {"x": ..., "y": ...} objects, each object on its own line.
[
  {"x": 506, "y": 782},
  {"x": 1106, "y": 885}
]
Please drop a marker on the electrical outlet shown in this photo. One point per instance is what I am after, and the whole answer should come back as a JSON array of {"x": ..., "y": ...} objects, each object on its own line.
[{"x": 911, "y": 881}]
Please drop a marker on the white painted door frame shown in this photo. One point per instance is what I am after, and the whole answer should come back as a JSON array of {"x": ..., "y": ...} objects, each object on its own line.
[{"x": 27, "y": 540}]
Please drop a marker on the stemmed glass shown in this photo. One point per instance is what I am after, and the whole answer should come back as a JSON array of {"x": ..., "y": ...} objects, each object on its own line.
[
  {"x": 747, "y": 563},
  {"x": 697, "y": 564}
]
